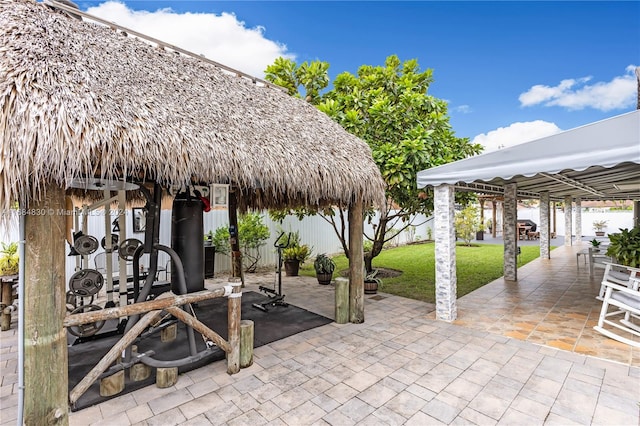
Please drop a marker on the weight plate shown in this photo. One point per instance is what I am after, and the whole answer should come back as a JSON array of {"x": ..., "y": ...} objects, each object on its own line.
[
  {"x": 114, "y": 242},
  {"x": 128, "y": 247},
  {"x": 85, "y": 244},
  {"x": 86, "y": 282},
  {"x": 86, "y": 330}
]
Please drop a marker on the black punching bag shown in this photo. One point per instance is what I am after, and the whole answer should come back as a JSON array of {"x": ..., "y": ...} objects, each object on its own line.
[{"x": 187, "y": 230}]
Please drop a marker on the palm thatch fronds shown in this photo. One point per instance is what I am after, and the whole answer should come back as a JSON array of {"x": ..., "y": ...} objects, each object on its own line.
[{"x": 80, "y": 99}]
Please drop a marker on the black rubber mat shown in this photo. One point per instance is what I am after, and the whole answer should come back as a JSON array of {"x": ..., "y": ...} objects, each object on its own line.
[{"x": 278, "y": 323}]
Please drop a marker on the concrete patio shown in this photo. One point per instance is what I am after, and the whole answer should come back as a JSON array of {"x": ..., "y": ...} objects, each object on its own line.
[{"x": 519, "y": 353}]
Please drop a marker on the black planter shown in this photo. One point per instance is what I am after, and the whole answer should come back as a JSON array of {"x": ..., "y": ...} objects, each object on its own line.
[
  {"x": 291, "y": 267},
  {"x": 480, "y": 235}
]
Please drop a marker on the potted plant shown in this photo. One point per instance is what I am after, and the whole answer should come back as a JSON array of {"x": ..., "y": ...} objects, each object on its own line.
[
  {"x": 371, "y": 282},
  {"x": 599, "y": 226},
  {"x": 9, "y": 259},
  {"x": 324, "y": 267},
  {"x": 293, "y": 256},
  {"x": 625, "y": 247},
  {"x": 595, "y": 243}
]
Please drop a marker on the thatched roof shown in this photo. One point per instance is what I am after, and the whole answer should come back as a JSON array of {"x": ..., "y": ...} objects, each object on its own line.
[{"x": 80, "y": 99}]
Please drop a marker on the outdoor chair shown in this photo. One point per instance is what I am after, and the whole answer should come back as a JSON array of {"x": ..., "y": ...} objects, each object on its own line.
[
  {"x": 617, "y": 274},
  {"x": 625, "y": 299}
]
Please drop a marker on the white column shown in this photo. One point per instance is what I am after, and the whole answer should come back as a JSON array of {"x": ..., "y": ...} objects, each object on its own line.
[
  {"x": 578, "y": 220},
  {"x": 510, "y": 236},
  {"x": 445, "y": 253},
  {"x": 568, "y": 221},
  {"x": 545, "y": 232}
]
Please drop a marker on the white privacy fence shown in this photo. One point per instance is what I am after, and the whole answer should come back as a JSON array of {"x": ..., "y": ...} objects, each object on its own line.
[{"x": 313, "y": 230}]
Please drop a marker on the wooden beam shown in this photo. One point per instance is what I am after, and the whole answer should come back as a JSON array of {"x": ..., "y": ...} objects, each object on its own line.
[
  {"x": 45, "y": 339},
  {"x": 356, "y": 264},
  {"x": 111, "y": 356},
  {"x": 164, "y": 301}
]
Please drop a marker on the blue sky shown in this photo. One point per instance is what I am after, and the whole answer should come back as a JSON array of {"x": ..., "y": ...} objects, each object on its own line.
[{"x": 510, "y": 71}]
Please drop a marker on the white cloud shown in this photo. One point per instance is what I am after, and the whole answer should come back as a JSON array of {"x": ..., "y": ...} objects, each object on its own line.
[
  {"x": 576, "y": 94},
  {"x": 515, "y": 134},
  {"x": 221, "y": 38},
  {"x": 464, "y": 109}
]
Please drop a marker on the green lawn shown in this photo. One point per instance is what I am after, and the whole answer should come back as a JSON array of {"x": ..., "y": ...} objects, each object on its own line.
[{"x": 476, "y": 266}]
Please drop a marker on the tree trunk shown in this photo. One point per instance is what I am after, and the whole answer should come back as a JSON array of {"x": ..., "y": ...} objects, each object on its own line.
[
  {"x": 45, "y": 339},
  {"x": 378, "y": 242},
  {"x": 356, "y": 276}
]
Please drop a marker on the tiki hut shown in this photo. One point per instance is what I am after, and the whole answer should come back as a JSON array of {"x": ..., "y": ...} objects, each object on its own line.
[{"x": 82, "y": 99}]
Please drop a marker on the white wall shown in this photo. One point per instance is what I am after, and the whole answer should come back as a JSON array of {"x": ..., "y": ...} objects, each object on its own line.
[
  {"x": 314, "y": 231},
  {"x": 616, "y": 219}
]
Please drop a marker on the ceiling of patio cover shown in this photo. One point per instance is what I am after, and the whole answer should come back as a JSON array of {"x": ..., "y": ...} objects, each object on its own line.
[{"x": 598, "y": 161}]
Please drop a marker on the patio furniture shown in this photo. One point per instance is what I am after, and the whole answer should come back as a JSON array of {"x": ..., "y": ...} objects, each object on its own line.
[
  {"x": 597, "y": 259},
  {"x": 617, "y": 274},
  {"x": 585, "y": 254},
  {"x": 626, "y": 300}
]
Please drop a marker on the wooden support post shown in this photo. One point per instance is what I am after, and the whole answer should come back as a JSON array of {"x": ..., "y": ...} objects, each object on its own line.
[
  {"x": 166, "y": 377},
  {"x": 7, "y": 300},
  {"x": 246, "y": 343},
  {"x": 356, "y": 263},
  {"x": 233, "y": 318},
  {"x": 138, "y": 372},
  {"x": 494, "y": 218},
  {"x": 169, "y": 334},
  {"x": 45, "y": 339},
  {"x": 113, "y": 384},
  {"x": 342, "y": 301},
  {"x": 234, "y": 239}
]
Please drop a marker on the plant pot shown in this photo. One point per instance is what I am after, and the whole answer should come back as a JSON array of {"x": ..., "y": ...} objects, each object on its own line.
[
  {"x": 370, "y": 287},
  {"x": 599, "y": 233},
  {"x": 291, "y": 267},
  {"x": 324, "y": 279}
]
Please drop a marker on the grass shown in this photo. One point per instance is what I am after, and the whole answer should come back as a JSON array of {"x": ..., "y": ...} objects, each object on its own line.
[{"x": 476, "y": 266}]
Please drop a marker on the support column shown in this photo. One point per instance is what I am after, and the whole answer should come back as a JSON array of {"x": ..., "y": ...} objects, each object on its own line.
[
  {"x": 234, "y": 239},
  {"x": 45, "y": 338},
  {"x": 636, "y": 214},
  {"x": 356, "y": 263},
  {"x": 445, "y": 253},
  {"x": 545, "y": 233},
  {"x": 510, "y": 236},
  {"x": 578, "y": 220},
  {"x": 494, "y": 217},
  {"x": 568, "y": 221}
]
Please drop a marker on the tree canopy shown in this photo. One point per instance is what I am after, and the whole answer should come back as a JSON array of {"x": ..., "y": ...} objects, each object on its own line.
[{"x": 389, "y": 107}]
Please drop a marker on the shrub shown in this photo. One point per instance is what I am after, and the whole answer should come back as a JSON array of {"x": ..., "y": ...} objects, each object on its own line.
[
  {"x": 467, "y": 223},
  {"x": 252, "y": 233},
  {"x": 9, "y": 259}
]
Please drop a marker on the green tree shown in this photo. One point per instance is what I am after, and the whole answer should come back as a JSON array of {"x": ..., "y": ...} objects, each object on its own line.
[
  {"x": 407, "y": 129},
  {"x": 252, "y": 233},
  {"x": 313, "y": 77},
  {"x": 467, "y": 223}
]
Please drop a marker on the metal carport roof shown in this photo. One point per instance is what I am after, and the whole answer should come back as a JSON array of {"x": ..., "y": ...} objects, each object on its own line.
[{"x": 598, "y": 161}]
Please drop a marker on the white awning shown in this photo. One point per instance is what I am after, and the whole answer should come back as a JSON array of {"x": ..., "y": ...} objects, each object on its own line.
[{"x": 600, "y": 160}]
